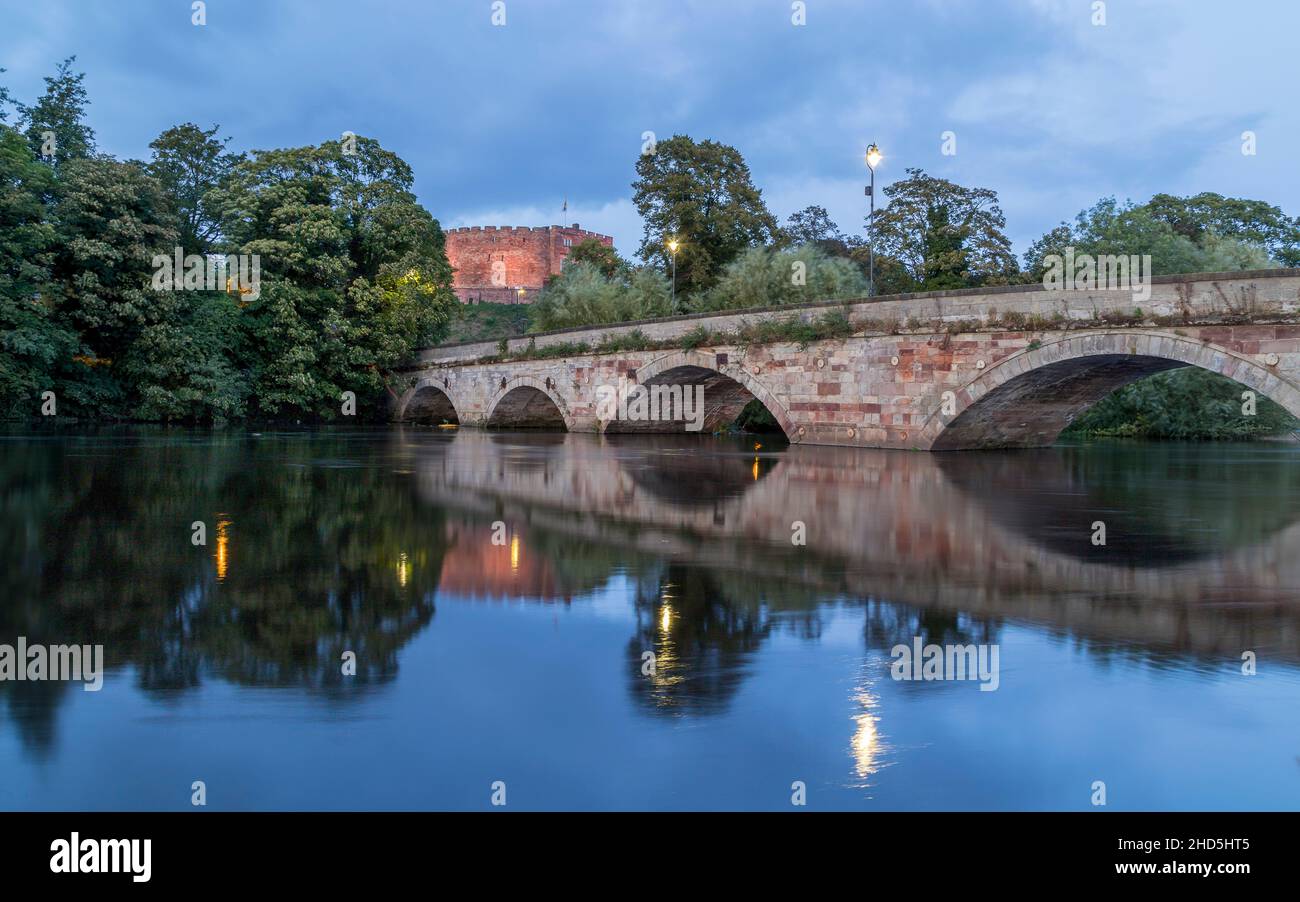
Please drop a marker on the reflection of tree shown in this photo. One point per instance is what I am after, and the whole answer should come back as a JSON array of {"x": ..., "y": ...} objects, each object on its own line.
[
  {"x": 322, "y": 553},
  {"x": 887, "y": 625},
  {"x": 701, "y": 639}
]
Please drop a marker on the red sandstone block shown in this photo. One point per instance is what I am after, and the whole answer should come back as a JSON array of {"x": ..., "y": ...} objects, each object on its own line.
[
  {"x": 1277, "y": 347},
  {"x": 1254, "y": 332}
]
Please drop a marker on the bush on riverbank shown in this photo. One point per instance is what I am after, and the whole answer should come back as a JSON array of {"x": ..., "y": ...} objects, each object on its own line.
[{"x": 1189, "y": 404}]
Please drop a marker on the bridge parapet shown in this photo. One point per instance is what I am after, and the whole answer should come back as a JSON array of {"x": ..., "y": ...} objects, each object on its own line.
[{"x": 1256, "y": 295}]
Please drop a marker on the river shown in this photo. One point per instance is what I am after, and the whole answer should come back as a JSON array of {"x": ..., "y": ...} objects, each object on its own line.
[{"x": 654, "y": 622}]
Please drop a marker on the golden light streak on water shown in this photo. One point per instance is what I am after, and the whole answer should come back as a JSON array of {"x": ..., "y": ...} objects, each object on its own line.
[{"x": 223, "y": 550}]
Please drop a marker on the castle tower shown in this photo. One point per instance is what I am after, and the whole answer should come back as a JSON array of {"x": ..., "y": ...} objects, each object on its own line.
[{"x": 509, "y": 265}]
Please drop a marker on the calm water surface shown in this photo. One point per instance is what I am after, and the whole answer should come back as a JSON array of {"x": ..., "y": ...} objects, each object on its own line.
[{"x": 522, "y": 661}]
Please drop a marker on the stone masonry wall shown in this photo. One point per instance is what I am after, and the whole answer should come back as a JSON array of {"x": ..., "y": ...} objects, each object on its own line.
[{"x": 494, "y": 264}]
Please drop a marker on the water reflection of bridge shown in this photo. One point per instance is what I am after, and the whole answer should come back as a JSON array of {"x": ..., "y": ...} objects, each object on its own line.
[{"x": 1211, "y": 571}]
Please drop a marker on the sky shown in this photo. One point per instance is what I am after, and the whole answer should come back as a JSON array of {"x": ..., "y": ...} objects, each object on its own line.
[{"x": 502, "y": 123}]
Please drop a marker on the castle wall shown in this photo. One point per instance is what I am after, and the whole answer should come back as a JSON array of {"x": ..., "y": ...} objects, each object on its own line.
[{"x": 509, "y": 265}]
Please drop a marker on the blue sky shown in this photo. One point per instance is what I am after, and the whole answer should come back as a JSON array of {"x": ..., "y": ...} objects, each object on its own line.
[{"x": 503, "y": 123}]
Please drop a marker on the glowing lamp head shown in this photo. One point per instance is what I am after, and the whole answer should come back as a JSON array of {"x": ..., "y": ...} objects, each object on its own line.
[
  {"x": 672, "y": 245},
  {"x": 874, "y": 156}
]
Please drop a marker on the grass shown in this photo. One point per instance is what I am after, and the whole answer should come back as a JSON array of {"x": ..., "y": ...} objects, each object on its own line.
[{"x": 488, "y": 322}]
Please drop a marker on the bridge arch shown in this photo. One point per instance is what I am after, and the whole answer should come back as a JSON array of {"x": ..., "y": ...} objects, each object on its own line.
[
  {"x": 727, "y": 391},
  {"x": 1027, "y": 399},
  {"x": 528, "y": 403},
  {"x": 428, "y": 401}
]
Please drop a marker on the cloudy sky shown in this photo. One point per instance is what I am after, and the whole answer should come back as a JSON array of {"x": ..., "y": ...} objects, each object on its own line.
[{"x": 503, "y": 123}]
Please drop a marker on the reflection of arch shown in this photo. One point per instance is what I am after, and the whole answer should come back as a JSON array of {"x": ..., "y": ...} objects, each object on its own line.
[
  {"x": 527, "y": 403},
  {"x": 676, "y": 470},
  {"x": 428, "y": 402},
  {"x": 726, "y": 392},
  {"x": 1028, "y": 398},
  {"x": 1147, "y": 494}
]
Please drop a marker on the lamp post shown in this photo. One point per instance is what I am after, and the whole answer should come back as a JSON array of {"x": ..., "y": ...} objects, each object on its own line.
[
  {"x": 873, "y": 157},
  {"x": 672, "y": 251}
]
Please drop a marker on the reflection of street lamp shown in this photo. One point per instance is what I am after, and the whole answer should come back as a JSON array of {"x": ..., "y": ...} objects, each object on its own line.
[
  {"x": 521, "y": 294},
  {"x": 672, "y": 250},
  {"x": 873, "y": 158}
]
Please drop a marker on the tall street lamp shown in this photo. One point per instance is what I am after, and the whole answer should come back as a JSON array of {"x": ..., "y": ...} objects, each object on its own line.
[
  {"x": 873, "y": 157},
  {"x": 672, "y": 250}
]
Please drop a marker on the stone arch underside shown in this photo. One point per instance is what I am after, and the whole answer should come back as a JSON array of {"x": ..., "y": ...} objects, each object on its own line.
[
  {"x": 526, "y": 406},
  {"x": 724, "y": 395},
  {"x": 429, "y": 404},
  {"x": 1029, "y": 399}
]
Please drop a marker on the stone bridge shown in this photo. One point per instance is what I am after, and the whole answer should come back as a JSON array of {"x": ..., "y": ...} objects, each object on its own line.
[{"x": 976, "y": 368}]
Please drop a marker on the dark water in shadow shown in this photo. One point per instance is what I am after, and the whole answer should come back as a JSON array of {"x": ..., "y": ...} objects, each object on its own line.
[{"x": 525, "y": 661}]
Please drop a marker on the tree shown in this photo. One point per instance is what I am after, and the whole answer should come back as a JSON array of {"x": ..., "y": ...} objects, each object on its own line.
[
  {"x": 190, "y": 162},
  {"x": 599, "y": 255},
  {"x": 813, "y": 225},
  {"x": 946, "y": 262},
  {"x": 60, "y": 111},
  {"x": 112, "y": 219},
  {"x": 763, "y": 277},
  {"x": 1250, "y": 221},
  {"x": 355, "y": 275},
  {"x": 944, "y": 234},
  {"x": 1109, "y": 227},
  {"x": 702, "y": 196},
  {"x": 32, "y": 341}
]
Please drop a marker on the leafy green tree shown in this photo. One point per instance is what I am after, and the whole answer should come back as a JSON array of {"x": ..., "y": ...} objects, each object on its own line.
[
  {"x": 582, "y": 295},
  {"x": 943, "y": 234},
  {"x": 762, "y": 277},
  {"x": 599, "y": 255},
  {"x": 1252, "y": 222},
  {"x": 702, "y": 196},
  {"x": 1109, "y": 227},
  {"x": 813, "y": 225},
  {"x": 62, "y": 111},
  {"x": 187, "y": 368},
  {"x": 112, "y": 219},
  {"x": 190, "y": 162},
  {"x": 946, "y": 262},
  {"x": 32, "y": 340},
  {"x": 354, "y": 273}
]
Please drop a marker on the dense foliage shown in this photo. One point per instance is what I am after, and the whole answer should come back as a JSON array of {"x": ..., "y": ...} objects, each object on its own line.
[
  {"x": 765, "y": 276},
  {"x": 352, "y": 276},
  {"x": 1186, "y": 403},
  {"x": 584, "y": 295}
]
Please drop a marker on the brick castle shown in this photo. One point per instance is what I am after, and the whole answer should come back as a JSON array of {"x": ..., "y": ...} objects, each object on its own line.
[{"x": 509, "y": 265}]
